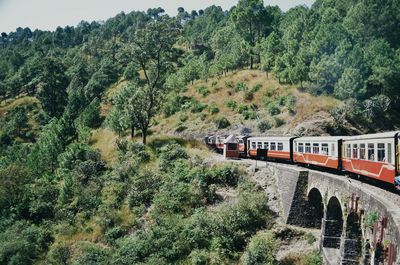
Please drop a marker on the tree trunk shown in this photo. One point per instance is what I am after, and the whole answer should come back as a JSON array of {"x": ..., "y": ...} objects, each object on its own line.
[
  {"x": 251, "y": 62},
  {"x": 144, "y": 136}
]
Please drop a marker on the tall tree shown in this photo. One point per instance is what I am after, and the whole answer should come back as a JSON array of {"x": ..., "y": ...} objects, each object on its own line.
[
  {"x": 52, "y": 86},
  {"x": 152, "y": 48},
  {"x": 250, "y": 18}
]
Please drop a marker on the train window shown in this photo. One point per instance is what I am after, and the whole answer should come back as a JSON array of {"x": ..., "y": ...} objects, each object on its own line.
[
  {"x": 259, "y": 145},
  {"x": 355, "y": 151},
  {"x": 315, "y": 148},
  {"x": 308, "y": 148},
  {"x": 362, "y": 151},
  {"x": 348, "y": 151},
  {"x": 300, "y": 148},
  {"x": 381, "y": 152},
  {"x": 389, "y": 157},
  {"x": 265, "y": 145},
  {"x": 253, "y": 145},
  {"x": 371, "y": 152},
  {"x": 240, "y": 141},
  {"x": 273, "y": 146},
  {"x": 280, "y": 146},
  {"x": 325, "y": 149}
]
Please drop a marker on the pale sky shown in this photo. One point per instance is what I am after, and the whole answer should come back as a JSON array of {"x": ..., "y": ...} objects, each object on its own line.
[{"x": 48, "y": 14}]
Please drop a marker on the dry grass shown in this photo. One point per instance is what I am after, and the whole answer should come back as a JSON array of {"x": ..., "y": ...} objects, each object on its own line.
[
  {"x": 7, "y": 105},
  {"x": 202, "y": 123},
  {"x": 103, "y": 139}
]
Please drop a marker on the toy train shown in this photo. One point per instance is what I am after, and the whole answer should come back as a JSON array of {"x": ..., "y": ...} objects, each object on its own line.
[{"x": 374, "y": 156}]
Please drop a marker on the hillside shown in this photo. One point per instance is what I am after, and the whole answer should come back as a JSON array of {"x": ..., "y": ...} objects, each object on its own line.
[{"x": 247, "y": 98}]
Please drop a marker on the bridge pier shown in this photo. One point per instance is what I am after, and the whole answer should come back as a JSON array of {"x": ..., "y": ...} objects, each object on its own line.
[{"x": 339, "y": 207}]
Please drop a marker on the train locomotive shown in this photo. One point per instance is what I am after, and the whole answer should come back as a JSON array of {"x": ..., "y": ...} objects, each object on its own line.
[{"x": 374, "y": 156}]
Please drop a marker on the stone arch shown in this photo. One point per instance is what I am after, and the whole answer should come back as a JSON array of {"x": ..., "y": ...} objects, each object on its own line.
[
  {"x": 315, "y": 209},
  {"x": 333, "y": 224}
]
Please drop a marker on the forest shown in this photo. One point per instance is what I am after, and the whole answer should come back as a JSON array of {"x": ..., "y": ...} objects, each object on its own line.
[{"x": 62, "y": 202}]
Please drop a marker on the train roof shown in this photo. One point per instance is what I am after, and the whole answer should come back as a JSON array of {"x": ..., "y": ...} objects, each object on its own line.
[
  {"x": 321, "y": 138},
  {"x": 373, "y": 136},
  {"x": 271, "y": 138}
]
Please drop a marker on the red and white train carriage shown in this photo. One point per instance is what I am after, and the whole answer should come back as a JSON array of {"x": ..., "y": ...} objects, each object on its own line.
[
  {"x": 324, "y": 151},
  {"x": 373, "y": 155},
  {"x": 278, "y": 147}
]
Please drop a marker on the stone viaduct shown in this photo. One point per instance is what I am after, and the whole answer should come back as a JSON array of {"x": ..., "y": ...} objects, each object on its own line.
[{"x": 347, "y": 211}]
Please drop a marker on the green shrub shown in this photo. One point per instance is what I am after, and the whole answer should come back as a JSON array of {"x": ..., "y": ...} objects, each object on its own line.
[
  {"x": 202, "y": 90},
  {"x": 249, "y": 115},
  {"x": 310, "y": 238},
  {"x": 370, "y": 219},
  {"x": 91, "y": 254},
  {"x": 241, "y": 86},
  {"x": 263, "y": 126},
  {"x": 229, "y": 84},
  {"x": 197, "y": 106},
  {"x": 231, "y": 104},
  {"x": 114, "y": 233},
  {"x": 262, "y": 249},
  {"x": 256, "y": 88},
  {"x": 279, "y": 122},
  {"x": 242, "y": 108},
  {"x": 180, "y": 128},
  {"x": 143, "y": 186},
  {"x": 222, "y": 122},
  {"x": 183, "y": 117},
  {"x": 169, "y": 154},
  {"x": 273, "y": 109},
  {"x": 314, "y": 258},
  {"x": 213, "y": 109},
  {"x": 248, "y": 95}
]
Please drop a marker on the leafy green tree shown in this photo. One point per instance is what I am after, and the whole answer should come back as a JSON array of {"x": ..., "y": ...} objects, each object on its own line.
[
  {"x": 151, "y": 47},
  {"x": 250, "y": 18},
  {"x": 350, "y": 84},
  {"x": 43, "y": 157},
  {"x": 325, "y": 73},
  {"x": 52, "y": 85}
]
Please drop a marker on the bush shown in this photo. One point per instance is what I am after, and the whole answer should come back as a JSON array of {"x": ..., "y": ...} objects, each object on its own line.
[
  {"x": 197, "y": 106},
  {"x": 248, "y": 95},
  {"x": 256, "y": 88},
  {"x": 202, "y": 90},
  {"x": 143, "y": 186},
  {"x": 169, "y": 154},
  {"x": 22, "y": 243},
  {"x": 91, "y": 254},
  {"x": 273, "y": 109},
  {"x": 222, "y": 122},
  {"x": 279, "y": 122},
  {"x": 229, "y": 84},
  {"x": 249, "y": 115},
  {"x": 262, "y": 249},
  {"x": 213, "y": 109},
  {"x": 241, "y": 87},
  {"x": 263, "y": 126},
  {"x": 231, "y": 104},
  {"x": 180, "y": 128},
  {"x": 242, "y": 108}
]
